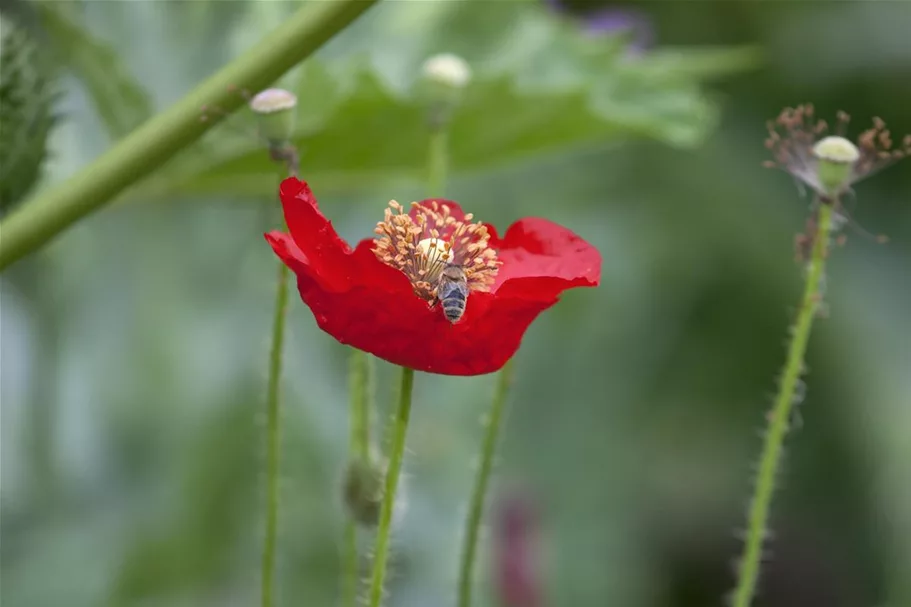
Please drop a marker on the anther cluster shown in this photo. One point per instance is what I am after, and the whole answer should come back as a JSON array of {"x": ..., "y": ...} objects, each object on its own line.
[{"x": 421, "y": 244}]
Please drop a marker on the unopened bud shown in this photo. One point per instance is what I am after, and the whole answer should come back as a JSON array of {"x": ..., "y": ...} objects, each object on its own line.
[
  {"x": 276, "y": 111},
  {"x": 444, "y": 77},
  {"x": 447, "y": 69},
  {"x": 836, "y": 156},
  {"x": 363, "y": 490}
]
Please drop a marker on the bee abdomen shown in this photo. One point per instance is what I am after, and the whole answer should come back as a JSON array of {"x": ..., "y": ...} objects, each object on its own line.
[
  {"x": 453, "y": 301},
  {"x": 453, "y": 308}
]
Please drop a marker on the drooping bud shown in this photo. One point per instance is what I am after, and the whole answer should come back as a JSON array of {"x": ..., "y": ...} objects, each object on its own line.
[
  {"x": 276, "y": 111},
  {"x": 363, "y": 488},
  {"x": 443, "y": 79},
  {"x": 363, "y": 491},
  {"x": 836, "y": 156},
  {"x": 26, "y": 97}
]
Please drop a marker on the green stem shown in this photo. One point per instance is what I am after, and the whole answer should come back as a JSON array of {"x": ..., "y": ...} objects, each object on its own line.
[
  {"x": 351, "y": 564},
  {"x": 361, "y": 403},
  {"x": 361, "y": 380},
  {"x": 397, "y": 452},
  {"x": 481, "y": 481},
  {"x": 273, "y": 437},
  {"x": 772, "y": 450},
  {"x": 437, "y": 162},
  {"x": 149, "y": 146}
]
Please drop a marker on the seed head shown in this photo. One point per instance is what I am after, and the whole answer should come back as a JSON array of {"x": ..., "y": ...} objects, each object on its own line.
[
  {"x": 836, "y": 149},
  {"x": 829, "y": 164}
]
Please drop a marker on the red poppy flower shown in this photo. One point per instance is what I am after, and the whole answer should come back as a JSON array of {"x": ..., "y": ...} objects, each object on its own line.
[{"x": 381, "y": 296}]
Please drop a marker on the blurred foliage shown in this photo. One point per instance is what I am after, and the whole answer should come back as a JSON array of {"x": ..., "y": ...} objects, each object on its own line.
[
  {"x": 361, "y": 123},
  {"x": 119, "y": 100},
  {"x": 27, "y": 96},
  {"x": 134, "y": 347}
]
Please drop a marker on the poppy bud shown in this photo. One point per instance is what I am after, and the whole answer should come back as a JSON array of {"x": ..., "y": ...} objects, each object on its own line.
[
  {"x": 836, "y": 156},
  {"x": 27, "y": 97},
  {"x": 276, "y": 111},
  {"x": 448, "y": 70},
  {"x": 444, "y": 77},
  {"x": 364, "y": 485}
]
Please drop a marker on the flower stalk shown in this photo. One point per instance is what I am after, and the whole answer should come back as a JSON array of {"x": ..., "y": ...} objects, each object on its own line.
[
  {"x": 361, "y": 381},
  {"x": 396, "y": 455},
  {"x": 148, "y": 147},
  {"x": 269, "y": 112},
  {"x": 492, "y": 422},
  {"x": 779, "y": 420},
  {"x": 437, "y": 161},
  {"x": 273, "y": 437},
  {"x": 349, "y": 592}
]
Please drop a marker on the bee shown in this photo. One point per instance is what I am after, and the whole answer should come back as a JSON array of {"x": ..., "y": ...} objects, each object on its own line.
[{"x": 452, "y": 291}]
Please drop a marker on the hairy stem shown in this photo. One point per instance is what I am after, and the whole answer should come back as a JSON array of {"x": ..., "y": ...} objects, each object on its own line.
[
  {"x": 773, "y": 447},
  {"x": 148, "y": 147},
  {"x": 349, "y": 592},
  {"x": 397, "y": 452},
  {"x": 361, "y": 380},
  {"x": 273, "y": 416},
  {"x": 481, "y": 481},
  {"x": 361, "y": 402},
  {"x": 273, "y": 436}
]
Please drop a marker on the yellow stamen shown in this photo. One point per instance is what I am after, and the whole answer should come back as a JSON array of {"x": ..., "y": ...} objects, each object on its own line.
[{"x": 421, "y": 246}]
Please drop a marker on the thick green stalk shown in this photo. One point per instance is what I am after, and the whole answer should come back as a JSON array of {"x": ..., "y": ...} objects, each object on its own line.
[
  {"x": 148, "y": 147},
  {"x": 273, "y": 436},
  {"x": 773, "y": 447},
  {"x": 481, "y": 481},
  {"x": 396, "y": 454},
  {"x": 361, "y": 368}
]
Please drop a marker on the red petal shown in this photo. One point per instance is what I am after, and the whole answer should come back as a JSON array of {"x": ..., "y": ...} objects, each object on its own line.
[
  {"x": 541, "y": 259},
  {"x": 454, "y": 208},
  {"x": 324, "y": 251},
  {"x": 404, "y": 330}
]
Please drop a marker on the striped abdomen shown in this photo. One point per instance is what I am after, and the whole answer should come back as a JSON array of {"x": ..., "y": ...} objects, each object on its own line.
[{"x": 452, "y": 296}]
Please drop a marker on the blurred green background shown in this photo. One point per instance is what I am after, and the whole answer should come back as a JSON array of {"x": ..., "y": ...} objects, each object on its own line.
[{"x": 134, "y": 346}]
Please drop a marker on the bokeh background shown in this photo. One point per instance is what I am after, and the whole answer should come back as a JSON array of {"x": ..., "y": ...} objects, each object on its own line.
[{"x": 134, "y": 346}]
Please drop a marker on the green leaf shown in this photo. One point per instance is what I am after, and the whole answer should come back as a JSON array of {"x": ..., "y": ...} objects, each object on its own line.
[
  {"x": 540, "y": 87},
  {"x": 120, "y": 101}
]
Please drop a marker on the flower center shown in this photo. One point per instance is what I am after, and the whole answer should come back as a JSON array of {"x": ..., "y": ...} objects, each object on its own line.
[{"x": 423, "y": 243}]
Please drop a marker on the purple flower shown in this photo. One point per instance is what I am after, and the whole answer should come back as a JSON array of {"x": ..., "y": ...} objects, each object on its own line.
[
  {"x": 611, "y": 20},
  {"x": 517, "y": 574}
]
